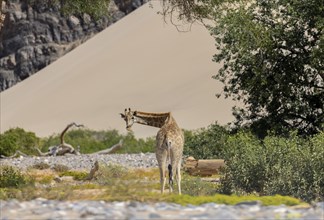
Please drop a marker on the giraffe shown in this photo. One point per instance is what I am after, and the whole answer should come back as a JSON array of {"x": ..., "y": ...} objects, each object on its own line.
[{"x": 169, "y": 142}]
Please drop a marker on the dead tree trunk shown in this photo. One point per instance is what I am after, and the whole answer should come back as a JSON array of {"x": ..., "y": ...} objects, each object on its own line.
[
  {"x": 112, "y": 149},
  {"x": 65, "y": 148},
  {"x": 203, "y": 167}
]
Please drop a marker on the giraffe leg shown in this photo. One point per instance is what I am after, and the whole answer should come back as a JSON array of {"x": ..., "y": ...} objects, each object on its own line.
[
  {"x": 162, "y": 178},
  {"x": 179, "y": 177},
  {"x": 161, "y": 156}
]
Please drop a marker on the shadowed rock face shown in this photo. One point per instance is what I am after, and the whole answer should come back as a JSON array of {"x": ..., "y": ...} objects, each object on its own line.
[{"x": 32, "y": 37}]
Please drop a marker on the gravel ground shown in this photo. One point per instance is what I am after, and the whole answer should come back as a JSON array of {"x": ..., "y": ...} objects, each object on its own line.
[
  {"x": 52, "y": 209},
  {"x": 85, "y": 161}
]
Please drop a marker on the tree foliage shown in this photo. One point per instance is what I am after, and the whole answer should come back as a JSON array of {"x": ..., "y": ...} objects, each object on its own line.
[
  {"x": 206, "y": 143},
  {"x": 272, "y": 54},
  {"x": 18, "y": 139}
]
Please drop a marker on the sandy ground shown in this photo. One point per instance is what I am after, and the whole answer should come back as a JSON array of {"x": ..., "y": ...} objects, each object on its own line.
[{"x": 140, "y": 62}]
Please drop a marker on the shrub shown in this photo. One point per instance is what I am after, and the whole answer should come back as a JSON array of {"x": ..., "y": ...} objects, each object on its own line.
[
  {"x": 195, "y": 186},
  {"x": 206, "y": 143},
  {"x": 276, "y": 165},
  {"x": 41, "y": 166},
  {"x": 133, "y": 145},
  {"x": 18, "y": 139},
  {"x": 60, "y": 168},
  {"x": 109, "y": 174},
  {"x": 10, "y": 177}
]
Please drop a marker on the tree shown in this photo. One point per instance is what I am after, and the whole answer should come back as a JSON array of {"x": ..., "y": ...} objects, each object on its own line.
[{"x": 273, "y": 59}]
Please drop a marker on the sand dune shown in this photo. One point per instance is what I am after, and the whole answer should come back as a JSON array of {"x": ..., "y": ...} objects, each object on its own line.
[{"x": 139, "y": 62}]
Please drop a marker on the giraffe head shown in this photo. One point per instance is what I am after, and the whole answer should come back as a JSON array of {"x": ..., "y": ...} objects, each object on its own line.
[{"x": 129, "y": 118}]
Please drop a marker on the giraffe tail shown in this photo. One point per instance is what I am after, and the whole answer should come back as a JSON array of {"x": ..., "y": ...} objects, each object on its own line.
[
  {"x": 170, "y": 175},
  {"x": 168, "y": 144}
]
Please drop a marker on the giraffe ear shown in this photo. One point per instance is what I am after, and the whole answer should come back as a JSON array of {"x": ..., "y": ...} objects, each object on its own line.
[
  {"x": 135, "y": 113},
  {"x": 122, "y": 115}
]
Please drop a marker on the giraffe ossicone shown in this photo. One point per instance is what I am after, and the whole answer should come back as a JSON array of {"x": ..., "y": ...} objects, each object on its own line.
[{"x": 169, "y": 142}]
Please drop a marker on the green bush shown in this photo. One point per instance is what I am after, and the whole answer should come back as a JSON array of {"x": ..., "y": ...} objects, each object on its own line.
[
  {"x": 133, "y": 145},
  {"x": 18, "y": 139},
  {"x": 206, "y": 143},
  {"x": 11, "y": 177},
  {"x": 287, "y": 166}
]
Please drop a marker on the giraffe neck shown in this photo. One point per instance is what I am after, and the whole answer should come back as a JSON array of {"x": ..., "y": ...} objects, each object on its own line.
[{"x": 152, "y": 119}]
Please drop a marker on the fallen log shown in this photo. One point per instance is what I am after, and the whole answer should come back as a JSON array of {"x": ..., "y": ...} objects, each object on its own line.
[{"x": 203, "y": 167}]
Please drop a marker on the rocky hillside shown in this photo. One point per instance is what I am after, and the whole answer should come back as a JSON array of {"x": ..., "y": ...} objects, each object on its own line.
[{"x": 33, "y": 36}]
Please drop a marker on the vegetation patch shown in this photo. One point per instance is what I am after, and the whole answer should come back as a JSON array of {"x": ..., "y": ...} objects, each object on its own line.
[
  {"x": 234, "y": 199},
  {"x": 276, "y": 165},
  {"x": 41, "y": 166},
  {"x": 11, "y": 177},
  {"x": 116, "y": 183},
  {"x": 195, "y": 186},
  {"x": 77, "y": 175},
  {"x": 60, "y": 168}
]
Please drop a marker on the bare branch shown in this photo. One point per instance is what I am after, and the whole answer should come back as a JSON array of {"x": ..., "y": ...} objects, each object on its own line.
[
  {"x": 67, "y": 128},
  {"x": 18, "y": 152},
  {"x": 112, "y": 149}
]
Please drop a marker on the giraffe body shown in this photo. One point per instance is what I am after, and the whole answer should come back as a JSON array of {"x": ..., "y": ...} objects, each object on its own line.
[{"x": 169, "y": 142}]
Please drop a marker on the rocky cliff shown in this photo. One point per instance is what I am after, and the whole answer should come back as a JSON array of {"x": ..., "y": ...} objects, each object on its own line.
[{"x": 33, "y": 36}]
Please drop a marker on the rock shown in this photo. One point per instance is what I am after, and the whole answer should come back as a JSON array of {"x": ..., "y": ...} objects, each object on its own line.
[
  {"x": 34, "y": 36},
  {"x": 73, "y": 22}
]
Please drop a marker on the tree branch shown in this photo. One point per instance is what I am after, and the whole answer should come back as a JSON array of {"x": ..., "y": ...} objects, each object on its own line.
[
  {"x": 67, "y": 128},
  {"x": 112, "y": 149}
]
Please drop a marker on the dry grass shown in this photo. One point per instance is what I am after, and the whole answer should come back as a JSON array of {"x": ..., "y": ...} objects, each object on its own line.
[{"x": 116, "y": 183}]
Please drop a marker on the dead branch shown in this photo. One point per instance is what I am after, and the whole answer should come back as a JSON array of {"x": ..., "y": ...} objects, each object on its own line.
[
  {"x": 43, "y": 154},
  {"x": 67, "y": 128},
  {"x": 65, "y": 148},
  {"x": 60, "y": 150},
  {"x": 18, "y": 153},
  {"x": 93, "y": 170},
  {"x": 112, "y": 149}
]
